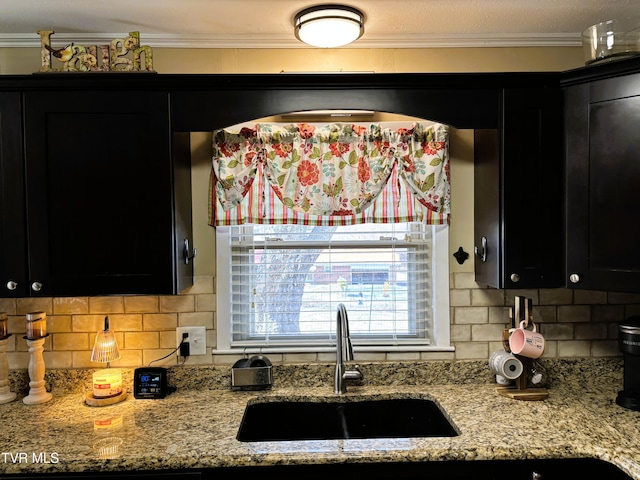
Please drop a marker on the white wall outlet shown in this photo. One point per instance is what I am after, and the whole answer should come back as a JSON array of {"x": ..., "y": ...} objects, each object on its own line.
[{"x": 197, "y": 339}]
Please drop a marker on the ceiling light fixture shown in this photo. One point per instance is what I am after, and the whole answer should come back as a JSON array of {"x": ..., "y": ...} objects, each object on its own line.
[{"x": 329, "y": 25}]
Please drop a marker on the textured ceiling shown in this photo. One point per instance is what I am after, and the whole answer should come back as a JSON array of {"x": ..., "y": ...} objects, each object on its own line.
[{"x": 269, "y": 23}]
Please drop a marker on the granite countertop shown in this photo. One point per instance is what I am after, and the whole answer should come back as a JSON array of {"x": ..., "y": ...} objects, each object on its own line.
[{"x": 196, "y": 429}]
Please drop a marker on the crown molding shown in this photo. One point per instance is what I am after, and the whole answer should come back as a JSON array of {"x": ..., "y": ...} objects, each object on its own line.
[{"x": 156, "y": 40}]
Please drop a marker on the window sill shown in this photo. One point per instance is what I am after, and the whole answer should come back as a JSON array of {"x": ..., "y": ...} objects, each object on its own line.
[{"x": 356, "y": 349}]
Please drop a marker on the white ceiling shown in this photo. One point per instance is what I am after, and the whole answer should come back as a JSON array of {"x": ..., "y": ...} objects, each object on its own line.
[{"x": 269, "y": 23}]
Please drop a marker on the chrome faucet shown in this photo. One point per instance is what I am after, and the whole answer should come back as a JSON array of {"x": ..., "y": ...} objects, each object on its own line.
[{"x": 344, "y": 352}]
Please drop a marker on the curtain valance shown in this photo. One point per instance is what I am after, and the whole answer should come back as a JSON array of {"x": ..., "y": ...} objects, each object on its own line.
[{"x": 337, "y": 174}]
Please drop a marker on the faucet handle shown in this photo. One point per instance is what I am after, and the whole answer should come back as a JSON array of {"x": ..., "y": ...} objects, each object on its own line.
[{"x": 353, "y": 373}]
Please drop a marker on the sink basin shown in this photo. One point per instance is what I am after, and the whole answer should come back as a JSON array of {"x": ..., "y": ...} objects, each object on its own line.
[{"x": 343, "y": 419}]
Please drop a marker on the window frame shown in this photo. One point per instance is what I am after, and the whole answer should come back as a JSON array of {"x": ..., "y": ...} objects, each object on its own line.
[{"x": 440, "y": 306}]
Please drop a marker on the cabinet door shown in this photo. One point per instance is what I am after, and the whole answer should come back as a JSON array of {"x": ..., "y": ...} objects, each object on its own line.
[
  {"x": 518, "y": 178},
  {"x": 13, "y": 263},
  {"x": 487, "y": 205},
  {"x": 603, "y": 171},
  {"x": 100, "y": 193},
  {"x": 533, "y": 185}
]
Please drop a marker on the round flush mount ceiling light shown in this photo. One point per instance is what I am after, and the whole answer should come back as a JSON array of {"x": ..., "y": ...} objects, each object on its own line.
[{"x": 329, "y": 25}]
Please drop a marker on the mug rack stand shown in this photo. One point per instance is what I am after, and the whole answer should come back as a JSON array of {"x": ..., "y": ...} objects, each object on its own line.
[{"x": 519, "y": 390}]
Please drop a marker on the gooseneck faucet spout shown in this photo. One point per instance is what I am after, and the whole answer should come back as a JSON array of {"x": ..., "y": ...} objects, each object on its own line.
[{"x": 344, "y": 352}]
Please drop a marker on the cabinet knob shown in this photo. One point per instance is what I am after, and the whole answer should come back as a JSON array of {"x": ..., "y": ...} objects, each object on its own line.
[
  {"x": 36, "y": 286},
  {"x": 574, "y": 278},
  {"x": 11, "y": 285},
  {"x": 515, "y": 278}
]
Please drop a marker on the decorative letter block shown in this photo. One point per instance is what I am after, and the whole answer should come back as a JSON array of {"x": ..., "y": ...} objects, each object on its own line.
[{"x": 122, "y": 55}]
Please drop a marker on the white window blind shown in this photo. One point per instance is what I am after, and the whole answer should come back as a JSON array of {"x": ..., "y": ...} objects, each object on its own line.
[{"x": 279, "y": 285}]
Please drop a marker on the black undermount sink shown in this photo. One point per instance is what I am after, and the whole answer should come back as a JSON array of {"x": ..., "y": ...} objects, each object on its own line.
[{"x": 343, "y": 419}]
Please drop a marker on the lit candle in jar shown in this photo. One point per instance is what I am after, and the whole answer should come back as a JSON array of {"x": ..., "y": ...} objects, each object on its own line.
[
  {"x": 107, "y": 383},
  {"x": 3, "y": 325},
  {"x": 36, "y": 325}
]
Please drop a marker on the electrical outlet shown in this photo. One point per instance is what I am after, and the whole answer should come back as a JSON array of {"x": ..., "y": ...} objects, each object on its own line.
[{"x": 197, "y": 339}]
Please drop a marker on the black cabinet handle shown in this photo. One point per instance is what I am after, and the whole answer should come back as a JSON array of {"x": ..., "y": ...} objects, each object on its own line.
[
  {"x": 36, "y": 286},
  {"x": 11, "y": 285},
  {"x": 481, "y": 253},
  {"x": 187, "y": 252}
]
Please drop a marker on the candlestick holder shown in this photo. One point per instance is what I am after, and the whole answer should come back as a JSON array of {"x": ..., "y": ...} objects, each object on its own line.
[
  {"x": 37, "y": 391},
  {"x": 6, "y": 395}
]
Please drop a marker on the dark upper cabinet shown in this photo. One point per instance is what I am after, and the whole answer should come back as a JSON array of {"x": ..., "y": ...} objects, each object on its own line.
[
  {"x": 602, "y": 125},
  {"x": 13, "y": 265},
  {"x": 518, "y": 181},
  {"x": 107, "y": 196},
  {"x": 101, "y": 202}
]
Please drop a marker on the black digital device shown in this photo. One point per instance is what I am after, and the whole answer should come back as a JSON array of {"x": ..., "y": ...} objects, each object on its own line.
[{"x": 151, "y": 382}]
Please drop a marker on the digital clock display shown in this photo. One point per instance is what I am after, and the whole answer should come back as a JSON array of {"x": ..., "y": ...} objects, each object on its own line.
[
  {"x": 149, "y": 379},
  {"x": 150, "y": 382}
]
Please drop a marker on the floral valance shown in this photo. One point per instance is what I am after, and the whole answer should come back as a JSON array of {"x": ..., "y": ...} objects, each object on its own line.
[{"x": 330, "y": 175}]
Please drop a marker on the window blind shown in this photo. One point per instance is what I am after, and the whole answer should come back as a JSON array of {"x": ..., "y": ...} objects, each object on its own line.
[{"x": 287, "y": 280}]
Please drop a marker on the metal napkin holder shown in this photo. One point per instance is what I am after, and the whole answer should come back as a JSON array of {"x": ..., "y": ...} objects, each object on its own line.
[{"x": 253, "y": 373}]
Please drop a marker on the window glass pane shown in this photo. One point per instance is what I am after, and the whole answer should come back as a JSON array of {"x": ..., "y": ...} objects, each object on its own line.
[{"x": 286, "y": 283}]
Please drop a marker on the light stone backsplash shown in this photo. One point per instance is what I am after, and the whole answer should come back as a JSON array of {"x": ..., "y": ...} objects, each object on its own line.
[{"x": 575, "y": 324}]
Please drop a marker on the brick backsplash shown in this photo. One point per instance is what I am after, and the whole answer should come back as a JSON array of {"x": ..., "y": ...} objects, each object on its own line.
[
  {"x": 574, "y": 323},
  {"x": 144, "y": 326}
]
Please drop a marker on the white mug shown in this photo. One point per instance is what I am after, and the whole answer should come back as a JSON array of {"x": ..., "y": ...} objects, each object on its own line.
[{"x": 504, "y": 364}]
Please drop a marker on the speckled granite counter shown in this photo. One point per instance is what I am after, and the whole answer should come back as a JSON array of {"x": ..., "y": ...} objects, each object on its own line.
[{"x": 196, "y": 429}]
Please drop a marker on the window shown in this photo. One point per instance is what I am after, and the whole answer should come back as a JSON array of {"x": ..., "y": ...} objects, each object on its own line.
[
  {"x": 311, "y": 216},
  {"x": 278, "y": 286}
]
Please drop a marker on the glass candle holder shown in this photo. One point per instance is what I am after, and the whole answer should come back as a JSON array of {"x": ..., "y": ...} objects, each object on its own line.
[
  {"x": 36, "y": 325},
  {"x": 4, "y": 333}
]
